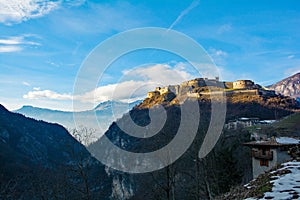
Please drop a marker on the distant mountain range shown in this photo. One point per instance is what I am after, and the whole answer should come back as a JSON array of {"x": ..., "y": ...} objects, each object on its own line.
[
  {"x": 289, "y": 86},
  {"x": 105, "y": 113}
]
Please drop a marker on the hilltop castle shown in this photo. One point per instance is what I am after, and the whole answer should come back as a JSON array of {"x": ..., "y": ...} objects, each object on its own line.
[{"x": 189, "y": 88}]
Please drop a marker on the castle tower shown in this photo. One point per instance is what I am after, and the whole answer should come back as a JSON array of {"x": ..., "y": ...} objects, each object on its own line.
[{"x": 243, "y": 84}]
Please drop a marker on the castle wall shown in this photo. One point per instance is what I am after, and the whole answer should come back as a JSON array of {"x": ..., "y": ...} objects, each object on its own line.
[
  {"x": 162, "y": 90},
  {"x": 152, "y": 94},
  {"x": 174, "y": 89},
  {"x": 243, "y": 84},
  {"x": 241, "y": 87},
  {"x": 267, "y": 92},
  {"x": 228, "y": 85},
  {"x": 193, "y": 95},
  {"x": 243, "y": 92}
]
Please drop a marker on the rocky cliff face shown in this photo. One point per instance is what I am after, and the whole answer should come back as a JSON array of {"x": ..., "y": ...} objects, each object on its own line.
[{"x": 288, "y": 87}]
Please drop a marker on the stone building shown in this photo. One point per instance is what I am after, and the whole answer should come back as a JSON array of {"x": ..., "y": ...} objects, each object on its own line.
[
  {"x": 168, "y": 89},
  {"x": 152, "y": 94},
  {"x": 270, "y": 153},
  {"x": 198, "y": 82},
  {"x": 162, "y": 90},
  {"x": 193, "y": 89},
  {"x": 241, "y": 123},
  {"x": 243, "y": 84}
]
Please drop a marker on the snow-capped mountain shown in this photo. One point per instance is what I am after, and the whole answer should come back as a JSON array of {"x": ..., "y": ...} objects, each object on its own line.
[{"x": 289, "y": 86}]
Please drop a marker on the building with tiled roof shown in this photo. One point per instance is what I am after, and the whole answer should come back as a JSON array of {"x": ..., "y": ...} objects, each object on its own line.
[{"x": 268, "y": 154}]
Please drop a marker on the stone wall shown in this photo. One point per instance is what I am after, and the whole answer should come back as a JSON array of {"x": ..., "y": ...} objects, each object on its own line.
[
  {"x": 228, "y": 85},
  {"x": 152, "y": 94},
  {"x": 162, "y": 90},
  {"x": 244, "y": 92},
  {"x": 243, "y": 84},
  {"x": 270, "y": 93}
]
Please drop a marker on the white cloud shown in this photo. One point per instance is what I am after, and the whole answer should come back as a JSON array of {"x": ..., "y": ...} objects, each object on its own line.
[
  {"x": 48, "y": 94},
  {"x": 134, "y": 85},
  {"x": 16, "y": 11},
  {"x": 16, "y": 43},
  {"x": 26, "y": 83},
  {"x": 219, "y": 56},
  {"x": 291, "y": 56},
  {"x": 217, "y": 52},
  {"x": 221, "y": 53},
  {"x": 162, "y": 74},
  {"x": 10, "y": 41},
  {"x": 124, "y": 91},
  {"x": 17, "y": 40},
  {"x": 9, "y": 49}
]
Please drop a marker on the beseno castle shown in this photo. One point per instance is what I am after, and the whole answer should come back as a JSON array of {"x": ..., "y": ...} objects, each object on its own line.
[{"x": 193, "y": 87}]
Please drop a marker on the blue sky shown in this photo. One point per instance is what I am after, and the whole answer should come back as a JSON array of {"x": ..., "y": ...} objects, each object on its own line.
[{"x": 43, "y": 44}]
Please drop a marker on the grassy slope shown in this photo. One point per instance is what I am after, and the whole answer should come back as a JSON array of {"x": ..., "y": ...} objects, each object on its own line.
[{"x": 289, "y": 124}]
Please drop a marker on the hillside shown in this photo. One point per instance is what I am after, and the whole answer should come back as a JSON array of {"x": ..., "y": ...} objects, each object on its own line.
[
  {"x": 287, "y": 126},
  {"x": 279, "y": 183},
  {"x": 289, "y": 86},
  {"x": 189, "y": 177},
  {"x": 42, "y": 160},
  {"x": 239, "y": 96}
]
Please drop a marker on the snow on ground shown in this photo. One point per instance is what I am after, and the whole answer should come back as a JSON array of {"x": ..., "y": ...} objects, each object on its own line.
[
  {"x": 286, "y": 182},
  {"x": 287, "y": 140}
]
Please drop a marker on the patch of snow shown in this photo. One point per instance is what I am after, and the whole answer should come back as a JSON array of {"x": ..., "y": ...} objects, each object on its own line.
[
  {"x": 286, "y": 185},
  {"x": 287, "y": 140},
  {"x": 248, "y": 186},
  {"x": 244, "y": 118},
  {"x": 260, "y": 141},
  {"x": 268, "y": 121}
]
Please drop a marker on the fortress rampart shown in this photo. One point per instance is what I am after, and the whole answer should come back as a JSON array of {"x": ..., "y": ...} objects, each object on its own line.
[{"x": 245, "y": 87}]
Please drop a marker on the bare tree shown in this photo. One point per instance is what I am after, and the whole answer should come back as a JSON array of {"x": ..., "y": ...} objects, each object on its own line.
[
  {"x": 83, "y": 163},
  {"x": 83, "y": 134}
]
